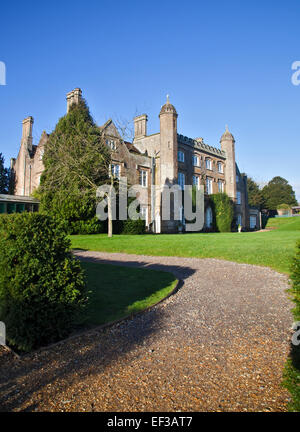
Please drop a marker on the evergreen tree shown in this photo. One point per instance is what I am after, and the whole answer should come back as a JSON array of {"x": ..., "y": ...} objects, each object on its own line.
[
  {"x": 223, "y": 210},
  {"x": 4, "y": 176},
  {"x": 76, "y": 162},
  {"x": 278, "y": 191}
]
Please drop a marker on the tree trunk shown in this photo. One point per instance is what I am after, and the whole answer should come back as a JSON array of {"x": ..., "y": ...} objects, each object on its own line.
[{"x": 109, "y": 210}]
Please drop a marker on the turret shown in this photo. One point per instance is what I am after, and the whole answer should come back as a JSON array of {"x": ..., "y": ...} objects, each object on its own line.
[
  {"x": 228, "y": 145},
  {"x": 168, "y": 143}
]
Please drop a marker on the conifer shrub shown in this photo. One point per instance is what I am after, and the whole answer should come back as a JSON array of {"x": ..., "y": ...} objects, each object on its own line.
[
  {"x": 292, "y": 370},
  {"x": 223, "y": 212},
  {"x": 42, "y": 286}
]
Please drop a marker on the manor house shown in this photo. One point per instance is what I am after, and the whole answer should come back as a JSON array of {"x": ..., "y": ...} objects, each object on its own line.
[{"x": 163, "y": 158}]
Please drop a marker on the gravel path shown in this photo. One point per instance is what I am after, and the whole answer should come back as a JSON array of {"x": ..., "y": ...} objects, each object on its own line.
[{"x": 218, "y": 344}]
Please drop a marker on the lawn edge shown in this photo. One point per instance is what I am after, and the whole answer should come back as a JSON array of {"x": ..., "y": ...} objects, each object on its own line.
[{"x": 286, "y": 273}]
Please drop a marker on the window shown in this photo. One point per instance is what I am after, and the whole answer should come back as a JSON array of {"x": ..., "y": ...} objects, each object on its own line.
[
  {"x": 220, "y": 186},
  {"x": 143, "y": 178},
  {"x": 209, "y": 186},
  {"x": 238, "y": 197},
  {"x": 42, "y": 154},
  {"x": 115, "y": 170},
  {"x": 111, "y": 144},
  {"x": 237, "y": 178},
  {"x": 220, "y": 167},
  {"x": 144, "y": 214},
  {"x": 181, "y": 180},
  {"x": 252, "y": 222},
  {"x": 208, "y": 217},
  {"x": 208, "y": 164},
  {"x": 196, "y": 160},
  {"x": 180, "y": 156},
  {"x": 196, "y": 181}
]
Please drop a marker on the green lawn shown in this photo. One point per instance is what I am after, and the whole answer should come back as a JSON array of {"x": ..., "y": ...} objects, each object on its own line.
[
  {"x": 117, "y": 292},
  {"x": 274, "y": 249}
]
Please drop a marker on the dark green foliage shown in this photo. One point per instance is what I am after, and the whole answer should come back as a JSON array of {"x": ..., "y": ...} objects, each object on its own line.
[
  {"x": 134, "y": 226},
  {"x": 42, "y": 286},
  {"x": 292, "y": 369},
  {"x": 223, "y": 211},
  {"x": 283, "y": 207},
  {"x": 276, "y": 192},
  {"x": 4, "y": 176},
  {"x": 255, "y": 196},
  {"x": 76, "y": 162},
  {"x": 91, "y": 226},
  {"x": 295, "y": 278}
]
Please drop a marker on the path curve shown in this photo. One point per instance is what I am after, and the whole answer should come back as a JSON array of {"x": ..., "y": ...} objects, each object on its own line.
[{"x": 218, "y": 344}]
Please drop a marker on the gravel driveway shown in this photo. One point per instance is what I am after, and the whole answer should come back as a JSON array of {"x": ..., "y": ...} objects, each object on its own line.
[{"x": 218, "y": 344}]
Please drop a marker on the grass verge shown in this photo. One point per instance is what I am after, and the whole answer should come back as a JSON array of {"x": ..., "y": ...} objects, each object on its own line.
[
  {"x": 274, "y": 249},
  {"x": 118, "y": 292}
]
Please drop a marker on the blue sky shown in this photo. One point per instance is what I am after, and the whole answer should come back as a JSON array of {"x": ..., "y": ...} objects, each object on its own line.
[{"x": 222, "y": 62}]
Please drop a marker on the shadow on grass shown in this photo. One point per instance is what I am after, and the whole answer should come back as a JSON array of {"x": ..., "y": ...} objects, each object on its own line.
[{"x": 38, "y": 376}]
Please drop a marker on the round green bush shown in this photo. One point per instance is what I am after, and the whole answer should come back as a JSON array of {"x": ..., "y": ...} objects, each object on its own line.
[{"x": 42, "y": 286}]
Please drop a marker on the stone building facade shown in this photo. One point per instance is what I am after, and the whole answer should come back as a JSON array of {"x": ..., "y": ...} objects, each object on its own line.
[{"x": 152, "y": 161}]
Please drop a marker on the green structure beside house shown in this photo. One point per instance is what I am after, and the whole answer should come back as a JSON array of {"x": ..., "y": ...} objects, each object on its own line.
[{"x": 18, "y": 204}]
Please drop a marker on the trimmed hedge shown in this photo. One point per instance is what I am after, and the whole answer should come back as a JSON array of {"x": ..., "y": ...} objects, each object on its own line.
[
  {"x": 292, "y": 369},
  {"x": 134, "y": 226},
  {"x": 42, "y": 285},
  {"x": 91, "y": 226}
]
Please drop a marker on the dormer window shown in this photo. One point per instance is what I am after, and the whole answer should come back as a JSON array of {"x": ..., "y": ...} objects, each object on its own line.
[
  {"x": 180, "y": 156},
  {"x": 208, "y": 164}
]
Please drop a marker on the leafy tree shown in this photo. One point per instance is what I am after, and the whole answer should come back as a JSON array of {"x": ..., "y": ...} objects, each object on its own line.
[
  {"x": 278, "y": 191},
  {"x": 76, "y": 162},
  {"x": 255, "y": 196},
  {"x": 4, "y": 176}
]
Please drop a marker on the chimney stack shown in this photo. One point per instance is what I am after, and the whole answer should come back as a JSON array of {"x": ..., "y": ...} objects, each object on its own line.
[
  {"x": 73, "y": 97},
  {"x": 140, "y": 126},
  {"x": 27, "y": 132}
]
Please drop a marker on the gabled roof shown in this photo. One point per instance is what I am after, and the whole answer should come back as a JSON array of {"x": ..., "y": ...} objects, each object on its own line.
[
  {"x": 131, "y": 147},
  {"x": 110, "y": 128}
]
